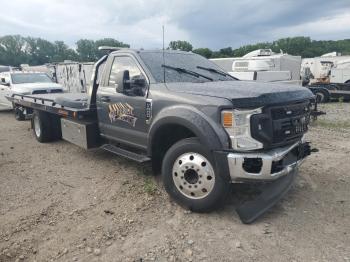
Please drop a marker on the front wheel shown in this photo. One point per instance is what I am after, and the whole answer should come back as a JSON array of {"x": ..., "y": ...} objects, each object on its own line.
[{"x": 190, "y": 178}]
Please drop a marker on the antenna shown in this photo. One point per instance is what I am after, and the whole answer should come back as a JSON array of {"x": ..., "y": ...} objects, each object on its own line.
[{"x": 163, "y": 57}]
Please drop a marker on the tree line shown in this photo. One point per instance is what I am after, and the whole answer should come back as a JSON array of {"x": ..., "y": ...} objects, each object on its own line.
[
  {"x": 16, "y": 49},
  {"x": 302, "y": 46}
]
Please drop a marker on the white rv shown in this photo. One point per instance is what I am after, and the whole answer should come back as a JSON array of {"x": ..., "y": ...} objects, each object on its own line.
[
  {"x": 263, "y": 65},
  {"x": 328, "y": 68},
  {"x": 328, "y": 76}
]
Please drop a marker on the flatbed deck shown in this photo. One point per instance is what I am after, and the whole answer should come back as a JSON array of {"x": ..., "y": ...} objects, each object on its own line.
[{"x": 64, "y": 104}]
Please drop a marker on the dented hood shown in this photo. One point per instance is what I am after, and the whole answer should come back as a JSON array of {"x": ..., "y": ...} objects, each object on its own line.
[{"x": 246, "y": 93}]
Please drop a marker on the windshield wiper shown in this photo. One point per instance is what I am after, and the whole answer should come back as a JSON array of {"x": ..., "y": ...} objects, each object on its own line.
[
  {"x": 216, "y": 71},
  {"x": 187, "y": 71}
]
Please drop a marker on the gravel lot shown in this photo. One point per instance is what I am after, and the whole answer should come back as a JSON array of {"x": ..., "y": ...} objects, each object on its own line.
[{"x": 61, "y": 203}]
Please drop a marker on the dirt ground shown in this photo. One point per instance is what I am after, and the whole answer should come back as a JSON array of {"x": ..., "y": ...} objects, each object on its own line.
[{"x": 61, "y": 203}]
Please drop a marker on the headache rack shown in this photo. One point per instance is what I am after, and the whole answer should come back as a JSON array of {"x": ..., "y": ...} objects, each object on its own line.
[{"x": 42, "y": 103}]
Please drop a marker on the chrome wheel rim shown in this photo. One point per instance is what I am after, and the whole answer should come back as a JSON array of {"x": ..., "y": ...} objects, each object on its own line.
[
  {"x": 193, "y": 175},
  {"x": 37, "y": 126}
]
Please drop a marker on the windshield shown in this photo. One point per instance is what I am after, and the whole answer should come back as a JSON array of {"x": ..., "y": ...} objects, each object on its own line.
[
  {"x": 188, "y": 61},
  {"x": 30, "y": 78}
]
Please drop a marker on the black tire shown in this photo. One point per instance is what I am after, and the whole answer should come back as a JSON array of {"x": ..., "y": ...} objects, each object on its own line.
[
  {"x": 56, "y": 127},
  {"x": 215, "y": 197},
  {"x": 19, "y": 116},
  {"x": 322, "y": 96},
  {"x": 41, "y": 123}
]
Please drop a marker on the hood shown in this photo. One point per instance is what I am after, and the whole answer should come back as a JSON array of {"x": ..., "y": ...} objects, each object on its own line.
[
  {"x": 246, "y": 93},
  {"x": 30, "y": 87}
]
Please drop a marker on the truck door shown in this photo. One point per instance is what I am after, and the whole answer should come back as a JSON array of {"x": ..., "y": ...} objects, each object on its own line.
[{"x": 122, "y": 115}]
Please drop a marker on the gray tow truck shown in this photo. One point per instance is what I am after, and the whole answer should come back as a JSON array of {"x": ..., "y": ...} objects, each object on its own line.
[{"x": 196, "y": 124}]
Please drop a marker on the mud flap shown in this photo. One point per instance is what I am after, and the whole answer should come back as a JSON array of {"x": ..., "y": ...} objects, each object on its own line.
[{"x": 271, "y": 194}]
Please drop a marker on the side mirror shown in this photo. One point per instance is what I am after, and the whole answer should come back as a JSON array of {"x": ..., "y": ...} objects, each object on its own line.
[
  {"x": 139, "y": 82},
  {"x": 122, "y": 82}
]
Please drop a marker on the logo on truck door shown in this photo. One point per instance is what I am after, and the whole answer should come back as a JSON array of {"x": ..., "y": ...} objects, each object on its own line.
[{"x": 123, "y": 112}]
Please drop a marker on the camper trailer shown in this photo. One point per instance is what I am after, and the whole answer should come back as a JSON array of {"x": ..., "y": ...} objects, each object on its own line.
[
  {"x": 328, "y": 76},
  {"x": 263, "y": 65}
]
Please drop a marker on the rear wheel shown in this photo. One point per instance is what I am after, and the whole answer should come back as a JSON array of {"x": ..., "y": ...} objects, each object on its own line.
[
  {"x": 41, "y": 126},
  {"x": 190, "y": 178},
  {"x": 322, "y": 96}
]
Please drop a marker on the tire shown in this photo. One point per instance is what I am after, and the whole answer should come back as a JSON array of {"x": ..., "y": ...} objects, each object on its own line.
[
  {"x": 56, "y": 127},
  {"x": 190, "y": 178},
  {"x": 41, "y": 126},
  {"x": 322, "y": 96},
  {"x": 19, "y": 116}
]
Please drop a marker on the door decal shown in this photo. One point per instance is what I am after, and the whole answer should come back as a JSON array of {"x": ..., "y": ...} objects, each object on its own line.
[{"x": 122, "y": 112}]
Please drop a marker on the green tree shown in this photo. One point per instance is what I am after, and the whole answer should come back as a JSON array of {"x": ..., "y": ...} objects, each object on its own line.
[
  {"x": 86, "y": 50},
  {"x": 180, "y": 45},
  {"x": 292, "y": 45},
  {"x": 63, "y": 52},
  {"x": 108, "y": 42},
  {"x": 226, "y": 52},
  {"x": 206, "y": 52},
  {"x": 12, "y": 50},
  {"x": 39, "y": 51}
]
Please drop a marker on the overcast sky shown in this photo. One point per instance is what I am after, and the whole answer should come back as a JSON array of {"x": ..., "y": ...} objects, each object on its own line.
[{"x": 204, "y": 23}]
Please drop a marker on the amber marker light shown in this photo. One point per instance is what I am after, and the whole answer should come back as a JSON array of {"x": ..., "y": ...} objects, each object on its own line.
[{"x": 227, "y": 118}]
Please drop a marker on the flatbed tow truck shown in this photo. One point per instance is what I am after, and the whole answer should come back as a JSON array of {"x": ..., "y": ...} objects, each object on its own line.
[{"x": 196, "y": 124}]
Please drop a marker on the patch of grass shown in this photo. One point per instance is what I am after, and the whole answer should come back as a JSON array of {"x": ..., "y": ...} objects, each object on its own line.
[
  {"x": 341, "y": 99},
  {"x": 332, "y": 124},
  {"x": 150, "y": 186}
]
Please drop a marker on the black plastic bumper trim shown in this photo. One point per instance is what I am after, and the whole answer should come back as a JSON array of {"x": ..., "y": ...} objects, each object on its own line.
[{"x": 271, "y": 194}]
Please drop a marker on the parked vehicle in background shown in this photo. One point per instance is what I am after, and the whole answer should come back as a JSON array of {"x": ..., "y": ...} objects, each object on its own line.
[
  {"x": 197, "y": 124},
  {"x": 74, "y": 77},
  {"x": 328, "y": 76},
  {"x": 24, "y": 84},
  {"x": 4, "y": 68},
  {"x": 263, "y": 65}
]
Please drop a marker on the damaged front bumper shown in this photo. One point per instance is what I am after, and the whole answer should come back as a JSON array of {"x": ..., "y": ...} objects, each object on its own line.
[
  {"x": 269, "y": 165},
  {"x": 277, "y": 170}
]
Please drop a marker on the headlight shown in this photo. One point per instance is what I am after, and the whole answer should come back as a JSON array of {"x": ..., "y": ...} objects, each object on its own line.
[{"x": 237, "y": 125}]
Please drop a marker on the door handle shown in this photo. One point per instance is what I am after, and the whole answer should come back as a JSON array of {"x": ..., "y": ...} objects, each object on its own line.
[{"x": 105, "y": 99}]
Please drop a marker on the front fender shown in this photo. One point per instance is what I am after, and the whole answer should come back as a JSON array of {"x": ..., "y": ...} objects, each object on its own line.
[{"x": 209, "y": 133}]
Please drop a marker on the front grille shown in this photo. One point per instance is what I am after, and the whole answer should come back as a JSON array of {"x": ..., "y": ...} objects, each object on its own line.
[
  {"x": 56, "y": 91},
  {"x": 281, "y": 125},
  {"x": 288, "y": 111},
  {"x": 36, "y": 92},
  {"x": 50, "y": 91}
]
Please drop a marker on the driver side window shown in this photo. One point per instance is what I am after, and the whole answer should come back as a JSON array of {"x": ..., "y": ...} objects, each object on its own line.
[
  {"x": 122, "y": 63},
  {"x": 136, "y": 78}
]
